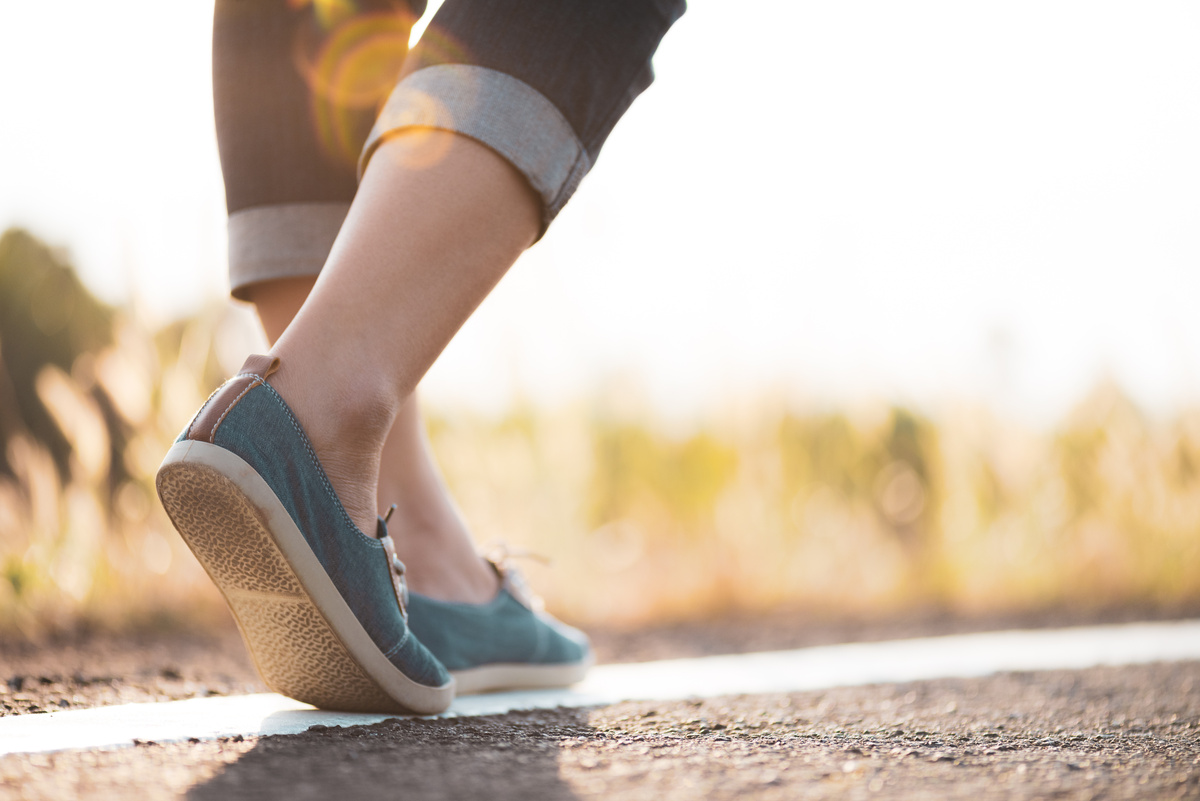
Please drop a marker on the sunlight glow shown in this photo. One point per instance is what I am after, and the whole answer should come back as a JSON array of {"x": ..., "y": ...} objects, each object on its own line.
[
  {"x": 943, "y": 201},
  {"x": 353, "y": 70}
]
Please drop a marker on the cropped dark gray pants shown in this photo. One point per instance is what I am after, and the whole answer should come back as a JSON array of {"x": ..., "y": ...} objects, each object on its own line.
[{"x": 306, "y": 90}]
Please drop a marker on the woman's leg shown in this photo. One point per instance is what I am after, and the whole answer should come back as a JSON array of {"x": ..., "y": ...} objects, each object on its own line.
[
  {"x": 501, "y": 110},
  {"x": 431, "y": 536},
  {"x": 541, "y": 85},
  {"x": 290, "y": 138},
  {"x": 274, "y": 483},
  {"x": 421, "y": 248}
]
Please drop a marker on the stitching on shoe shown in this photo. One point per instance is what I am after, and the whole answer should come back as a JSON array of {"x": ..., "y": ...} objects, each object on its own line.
[
  {"x": 371, "y": 541},
  {"x": 187, "y": 434},
  {"x": 212, "y": 437},
  {"x": 396, "y": 648}
]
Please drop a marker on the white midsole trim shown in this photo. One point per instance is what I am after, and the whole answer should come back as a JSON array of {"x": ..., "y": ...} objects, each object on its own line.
[
  {"x": 519, "y": 676},
  {"x": 312, "y": 576}
]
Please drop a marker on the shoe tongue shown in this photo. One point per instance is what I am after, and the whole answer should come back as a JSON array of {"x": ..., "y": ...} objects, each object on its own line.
[
  {"x": 380, "y": 528},
  {"x": 261, "y": 366}
]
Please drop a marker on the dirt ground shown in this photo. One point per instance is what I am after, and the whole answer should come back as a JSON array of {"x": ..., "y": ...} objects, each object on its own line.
[
  {"x": 1120, "y": 733},
  {"x": 86, "y": 671}
]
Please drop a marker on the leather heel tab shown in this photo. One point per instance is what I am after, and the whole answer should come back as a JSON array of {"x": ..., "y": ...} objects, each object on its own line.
[
  {"x": 212, "y": 414},
  {"x": 259, "y": 365}
]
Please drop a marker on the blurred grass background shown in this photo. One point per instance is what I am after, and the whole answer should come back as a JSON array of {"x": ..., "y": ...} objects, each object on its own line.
[{"x": 869, "y": 511}]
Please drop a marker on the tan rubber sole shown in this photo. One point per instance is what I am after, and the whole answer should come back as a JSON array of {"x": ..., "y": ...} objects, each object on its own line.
[{"x": 304, "y": 639}]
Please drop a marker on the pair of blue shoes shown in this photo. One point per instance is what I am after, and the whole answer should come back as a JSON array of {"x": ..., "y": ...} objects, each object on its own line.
[{"x": 322, "y": 605}]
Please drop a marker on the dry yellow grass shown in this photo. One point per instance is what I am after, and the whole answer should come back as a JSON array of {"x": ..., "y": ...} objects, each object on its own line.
[{"x": 761, "y": 506}]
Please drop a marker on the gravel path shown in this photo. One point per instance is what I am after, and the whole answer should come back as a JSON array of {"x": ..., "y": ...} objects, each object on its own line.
[
  {"x": 98, "y": 671},
  {"x": 1129, "y": 732},
  {"x": 1101, "y": 733}
]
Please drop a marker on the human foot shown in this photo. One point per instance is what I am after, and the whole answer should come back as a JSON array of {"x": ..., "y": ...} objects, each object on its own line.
[
  {"x": 442, "y": 563},
  {"x": 318, "y": 601},
  {"x": 507, "y": 643},
  {"x": 346, "y": 425},
  {"x": 475, "y": 615},
  {"x": 390, "y": 297},
  {"x": 431, "y": 536}
]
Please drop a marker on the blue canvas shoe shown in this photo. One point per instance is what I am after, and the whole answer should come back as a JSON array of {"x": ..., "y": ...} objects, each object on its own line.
[
  {"x": 508, "y": 643},
  {"x": 320, "y": 604}
]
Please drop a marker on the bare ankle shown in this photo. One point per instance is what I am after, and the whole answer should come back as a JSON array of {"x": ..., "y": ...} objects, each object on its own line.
[
  {"x": 347, "y": 423},
  {"x": 443, "y": 563}
]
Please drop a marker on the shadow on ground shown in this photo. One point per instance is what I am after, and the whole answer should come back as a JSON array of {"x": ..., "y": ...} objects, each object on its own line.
[
  {"x": 1112, "y": 733},
  {"x": 515, "y": 756}
]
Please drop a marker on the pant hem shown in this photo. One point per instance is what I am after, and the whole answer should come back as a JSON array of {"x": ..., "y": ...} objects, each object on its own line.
[
  {"x": 281, "y": 241},
  {"x": 501, "y": 112}
]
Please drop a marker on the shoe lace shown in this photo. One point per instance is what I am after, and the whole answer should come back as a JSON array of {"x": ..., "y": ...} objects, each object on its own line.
[
  {"x": 500, "y": 556},
  {"x": 396, "y": 567}
]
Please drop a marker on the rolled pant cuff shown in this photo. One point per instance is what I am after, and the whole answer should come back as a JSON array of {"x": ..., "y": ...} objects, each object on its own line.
[
  {"x": 506, "y": 114},
  {"x": 281, "y": 241}
]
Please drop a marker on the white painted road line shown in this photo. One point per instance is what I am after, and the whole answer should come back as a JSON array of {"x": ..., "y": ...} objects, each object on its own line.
[{"x": 959, "y": 656}]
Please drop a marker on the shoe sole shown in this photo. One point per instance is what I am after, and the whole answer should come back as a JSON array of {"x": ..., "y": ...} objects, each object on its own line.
[
  {"x": 304, "y": 639},
  {"x": 517, "y": 676}
]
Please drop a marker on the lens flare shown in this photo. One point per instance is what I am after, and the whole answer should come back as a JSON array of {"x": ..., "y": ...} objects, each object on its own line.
[
  {"x": 350, "y": 72},
  {"x": 327, "y": 13},
  {"x": 420, "y": 122}
]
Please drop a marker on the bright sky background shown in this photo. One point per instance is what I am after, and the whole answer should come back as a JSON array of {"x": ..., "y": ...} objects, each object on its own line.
[{"x": 926, "y": 201}]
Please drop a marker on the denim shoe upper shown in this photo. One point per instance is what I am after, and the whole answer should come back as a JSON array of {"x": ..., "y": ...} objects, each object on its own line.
[
  {"x": 261, "y": 429},
  {"x": 502, "y": 631}
]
